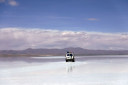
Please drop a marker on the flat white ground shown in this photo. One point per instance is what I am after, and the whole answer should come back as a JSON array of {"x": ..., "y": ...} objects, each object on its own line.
[{"x": 91, "y": 70}]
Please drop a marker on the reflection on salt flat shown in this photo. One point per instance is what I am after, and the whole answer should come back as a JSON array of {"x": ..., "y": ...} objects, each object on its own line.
[
  {"x": 85, "y": 71},
  {"x": 69, "y": 67}
]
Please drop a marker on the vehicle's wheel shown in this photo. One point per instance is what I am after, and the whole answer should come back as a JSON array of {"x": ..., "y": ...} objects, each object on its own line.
[
  {"x": 66, "y": 60},
  {"x": 73, "y": 60}
]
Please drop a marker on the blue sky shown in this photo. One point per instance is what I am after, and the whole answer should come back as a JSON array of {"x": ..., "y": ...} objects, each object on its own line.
[{"x": 77, "y": 15}]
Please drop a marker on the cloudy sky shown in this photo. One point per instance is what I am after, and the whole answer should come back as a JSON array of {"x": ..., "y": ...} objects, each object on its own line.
[{"x": 90, "y": 24}]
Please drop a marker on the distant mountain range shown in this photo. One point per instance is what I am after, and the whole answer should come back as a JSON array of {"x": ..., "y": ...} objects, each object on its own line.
[{"x": 58, "y": 52}]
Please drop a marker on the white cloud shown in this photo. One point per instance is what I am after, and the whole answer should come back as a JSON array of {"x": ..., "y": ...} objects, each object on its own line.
[
  {"x": 17, "y": 38},
  {"x": 12, "y": 3},
  {"x": 93, "y": 19}
]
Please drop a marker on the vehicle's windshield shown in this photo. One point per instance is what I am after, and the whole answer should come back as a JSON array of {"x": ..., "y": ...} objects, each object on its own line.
[{"x": 69, "y": 55}]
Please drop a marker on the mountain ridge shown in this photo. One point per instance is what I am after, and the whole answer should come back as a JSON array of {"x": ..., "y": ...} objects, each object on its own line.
[{"x": 58, "y": 52}]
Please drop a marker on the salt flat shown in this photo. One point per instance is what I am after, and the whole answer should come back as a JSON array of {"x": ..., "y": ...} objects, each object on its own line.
[{"x": 87, "y": 70}]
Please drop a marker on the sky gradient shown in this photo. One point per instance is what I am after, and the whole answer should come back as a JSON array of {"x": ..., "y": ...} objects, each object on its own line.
[
  {"x": 85, "y": 21},
  {"x": 76, "y": 15}
]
